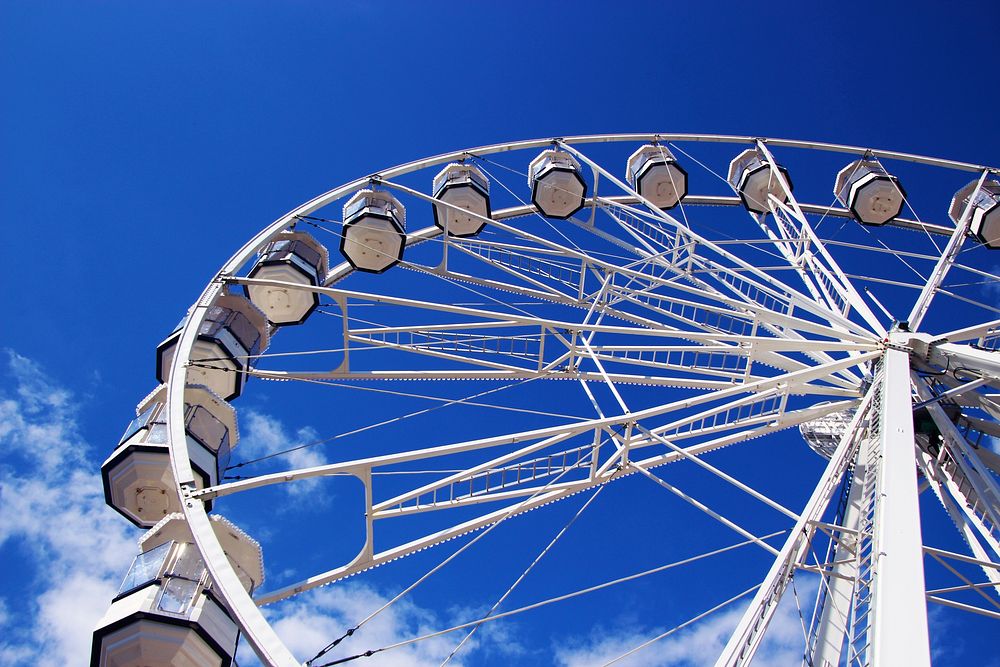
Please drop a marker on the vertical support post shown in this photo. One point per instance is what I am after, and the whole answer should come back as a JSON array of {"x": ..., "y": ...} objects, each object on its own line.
[
  {"x": 833, "y": 623},
  {"x": 899, "y": 624}
]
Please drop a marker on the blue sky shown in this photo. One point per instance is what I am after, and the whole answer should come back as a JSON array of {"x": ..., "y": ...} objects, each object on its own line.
[{"x": 141, "y": 144}]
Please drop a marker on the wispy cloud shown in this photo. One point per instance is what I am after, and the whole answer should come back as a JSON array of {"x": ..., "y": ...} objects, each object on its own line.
[
  {"x": 76, "y": 549},
  {"x": 697, "y": 645},
  {"x": 309, "y": 622},
  {"x": 262, "y": 435},
  {"x": 52, "y": 510}
]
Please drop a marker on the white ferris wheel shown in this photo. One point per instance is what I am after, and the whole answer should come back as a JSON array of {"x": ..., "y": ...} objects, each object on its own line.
[{"x": 480, "y": 334}]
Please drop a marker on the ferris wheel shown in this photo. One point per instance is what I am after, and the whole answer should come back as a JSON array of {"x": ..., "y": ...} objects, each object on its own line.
[{"x": 474, "y": 336}]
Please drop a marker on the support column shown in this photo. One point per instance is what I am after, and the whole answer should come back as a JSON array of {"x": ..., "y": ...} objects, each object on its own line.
[
  {"x": 899, "y": 624},
  {"x": 834, "y": 620}
]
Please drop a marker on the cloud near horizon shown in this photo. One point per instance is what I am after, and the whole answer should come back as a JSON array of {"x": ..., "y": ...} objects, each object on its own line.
[
  {"x": 76, "y": 550},
  {"x": 697, "y": 645},
  {"x": 52, "y": 512}
]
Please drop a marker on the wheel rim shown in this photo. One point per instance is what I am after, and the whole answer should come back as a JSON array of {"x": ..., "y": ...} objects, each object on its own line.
[{"x": 829, "y": 337}]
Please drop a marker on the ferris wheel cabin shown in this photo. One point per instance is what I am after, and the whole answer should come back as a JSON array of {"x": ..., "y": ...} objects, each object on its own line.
[
  {"x": 165, "y": 612},
  {"x": 293, "y": 257},
  {"x": 374, "y": 233},
  {"x": 557, "y": 188},
  {"x": 466, "y": 186},
  {"x": 233, "y": 331},
  {"x": 138, "y": 480},
  {"x": 752, "y": 177},
  {"x": 873, "y": 196},
  {"x": 654, "y": 173},
  {"x": 984, "y": 221}
]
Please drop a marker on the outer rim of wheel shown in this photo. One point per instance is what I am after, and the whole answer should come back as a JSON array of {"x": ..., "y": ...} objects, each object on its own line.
[{"x": 246, "y": 613}]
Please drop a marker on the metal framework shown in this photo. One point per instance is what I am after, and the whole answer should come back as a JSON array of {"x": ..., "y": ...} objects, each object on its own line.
[{"x": 731, "y": 336}]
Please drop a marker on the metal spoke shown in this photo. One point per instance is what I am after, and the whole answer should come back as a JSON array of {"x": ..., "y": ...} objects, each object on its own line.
[{"x": 951, "y": 250}]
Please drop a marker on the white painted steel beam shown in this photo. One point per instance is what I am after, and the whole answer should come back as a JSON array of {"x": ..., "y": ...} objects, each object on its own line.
[
  {"x": 983, "y": 362},
  {"x": 961, "y": 515},
  {"x": 528, "y": 498},
  {"x": 899, "y": 618},
  {"x": 808, "y": 236},
  {"x": 743, "y": 643},
  {"x": 805, "y": 388},
  {"x": 945, "y": 263},
  {"x": 720, "y": 474},
  {"x": 970, "y": 333},
  {"x": 835, "y": 616},
  {"x": 768, "y": 283},
  {"x": 506, "y": 320},
  {"x": 802, "y": 301},
  {"x": 786, "y": 383},
  {"x": 983, "y": 488},
  {"x": 705, "y": 508}
]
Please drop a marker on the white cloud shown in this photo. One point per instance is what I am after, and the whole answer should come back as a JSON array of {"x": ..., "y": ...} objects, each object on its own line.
[
  {"x": 699, "y": 644},
  {"x": 311, "y": 621},
  {"x": 52, "y": 510},
  {"x": 942, "y": 641},
  {"x": 68, "y": 612},
  {"x": 261, "y": 434}
]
